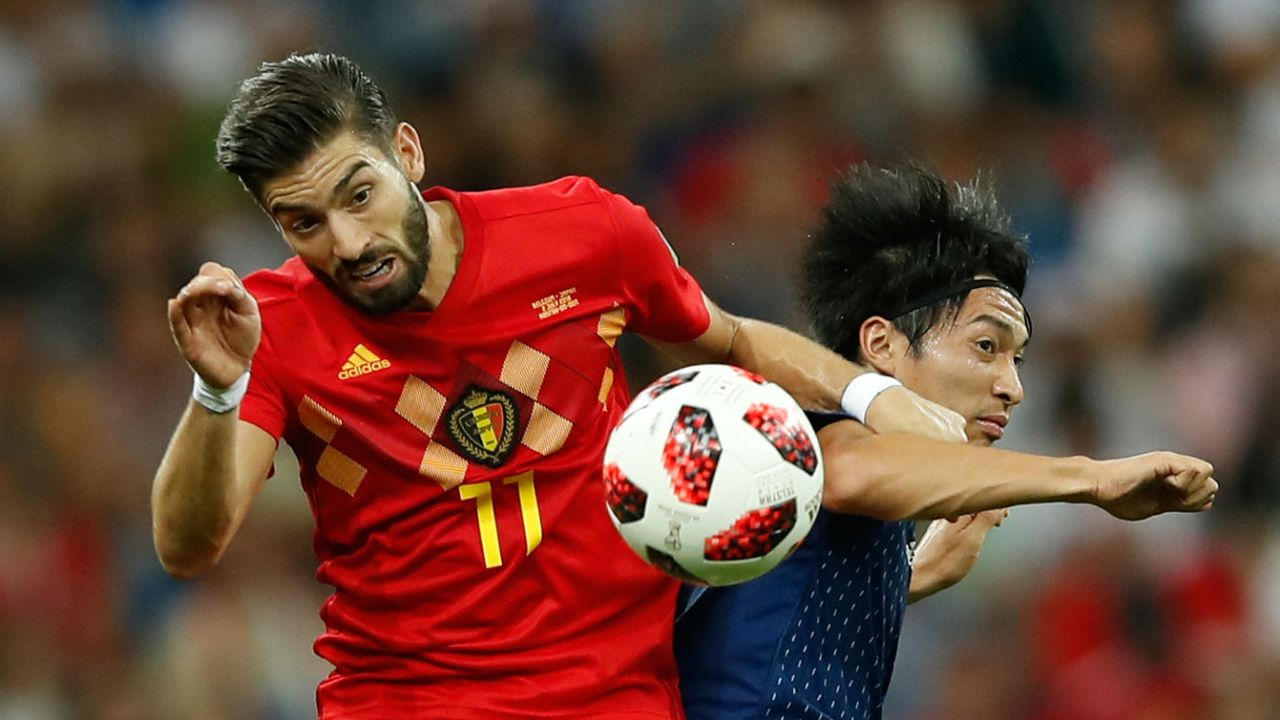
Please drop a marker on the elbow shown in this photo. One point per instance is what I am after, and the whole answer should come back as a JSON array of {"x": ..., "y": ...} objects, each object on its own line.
[
  {"x": 860, "y": 478},
  {"x": 180, "y": 570},
  {"x": 851, "y": 490},
  {"x": 187, "y": 558},
  {"x": 187, "y": 564}
]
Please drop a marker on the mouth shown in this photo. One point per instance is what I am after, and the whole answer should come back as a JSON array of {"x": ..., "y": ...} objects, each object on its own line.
[
  {"x": 374, "y": 275},
  {"x": 993, "y": 425}
]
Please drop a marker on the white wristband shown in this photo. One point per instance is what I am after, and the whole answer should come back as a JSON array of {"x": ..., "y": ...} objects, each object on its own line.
[
  {"x": 220, "y": 400},
  {"x": 861, "y": 391}
]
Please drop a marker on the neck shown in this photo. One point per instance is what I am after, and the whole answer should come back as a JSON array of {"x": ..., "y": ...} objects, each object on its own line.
[{"x": 445, "y": 240}]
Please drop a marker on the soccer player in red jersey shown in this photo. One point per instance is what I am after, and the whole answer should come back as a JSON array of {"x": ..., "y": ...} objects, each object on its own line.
[{"x": 443, "y": 365}]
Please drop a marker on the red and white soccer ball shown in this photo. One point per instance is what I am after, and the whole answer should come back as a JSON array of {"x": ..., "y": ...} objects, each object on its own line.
[{"x": 713, "y": 475}]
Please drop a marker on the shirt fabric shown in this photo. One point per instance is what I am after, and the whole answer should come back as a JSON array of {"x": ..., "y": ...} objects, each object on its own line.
[
  {"x": 813, "y": 638},
  {"x": 452, "y": 461}
]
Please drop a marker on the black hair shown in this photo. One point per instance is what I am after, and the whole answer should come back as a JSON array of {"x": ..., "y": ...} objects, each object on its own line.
[
  {"x": 892, "y": 235},
  {"x": 292, "y": 107}
]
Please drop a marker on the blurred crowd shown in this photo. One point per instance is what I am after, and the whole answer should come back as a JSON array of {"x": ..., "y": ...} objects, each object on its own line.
[{"x": 1137, "y": 143}]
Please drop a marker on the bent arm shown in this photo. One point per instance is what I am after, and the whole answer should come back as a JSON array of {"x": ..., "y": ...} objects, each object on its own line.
[
  {"x": 814, "y": 375},
  {"x": 213, "y": 468},
  {"x": 896, "y": 476}
]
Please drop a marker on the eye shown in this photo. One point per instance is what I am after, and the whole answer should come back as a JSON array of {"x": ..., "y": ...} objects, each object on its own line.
[
  {"x": 361, "y": 196},
  {"x": 302, "y": 226},
  {"x": 1018, "y": 360},
  {"x": 986, "y": 346}
]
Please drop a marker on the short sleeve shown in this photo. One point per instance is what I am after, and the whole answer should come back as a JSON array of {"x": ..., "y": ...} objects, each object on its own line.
[
  {"x": 263, "y": 404},
  {"x": 663, "y": 299}
]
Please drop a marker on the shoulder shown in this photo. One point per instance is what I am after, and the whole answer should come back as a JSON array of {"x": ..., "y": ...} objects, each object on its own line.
[
  {"x": 279, "y": 285},
  {"x": 565, "y": 193}
]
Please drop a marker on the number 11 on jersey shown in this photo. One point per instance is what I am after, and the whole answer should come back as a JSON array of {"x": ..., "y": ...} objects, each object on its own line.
[{"x": 482, "y": 493}]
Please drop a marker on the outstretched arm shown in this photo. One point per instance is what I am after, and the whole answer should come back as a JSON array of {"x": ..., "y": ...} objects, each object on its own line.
[
  {"x": 894, "y": 476},
  {"x": 814, "y": 375}
]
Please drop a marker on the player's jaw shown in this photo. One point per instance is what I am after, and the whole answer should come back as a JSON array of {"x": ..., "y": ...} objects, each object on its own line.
[{"x": 389, "y": 274}]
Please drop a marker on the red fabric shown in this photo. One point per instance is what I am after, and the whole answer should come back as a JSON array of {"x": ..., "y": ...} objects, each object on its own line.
[{"x": 418, "y": 626}]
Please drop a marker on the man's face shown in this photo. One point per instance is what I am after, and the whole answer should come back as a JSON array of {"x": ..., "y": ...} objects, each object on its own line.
[
  {"x": 357, "y": 221},
  {"x": 971, "y": 366}
]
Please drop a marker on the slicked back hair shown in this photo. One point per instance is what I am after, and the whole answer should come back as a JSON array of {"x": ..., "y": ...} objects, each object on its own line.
[
  {"x": 891, "y": 235},
  {"x": 292, "y": 107}
]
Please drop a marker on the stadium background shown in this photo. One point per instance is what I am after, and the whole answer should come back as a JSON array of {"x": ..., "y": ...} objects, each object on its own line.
[{"x": 1136, "y": 141}]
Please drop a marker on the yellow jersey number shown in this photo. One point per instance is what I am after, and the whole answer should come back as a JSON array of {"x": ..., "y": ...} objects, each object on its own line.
[{"x": 482, "y": 493}]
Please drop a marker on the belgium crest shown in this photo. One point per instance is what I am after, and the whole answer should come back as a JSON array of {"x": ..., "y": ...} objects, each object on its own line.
[{"x": 483, "y": 425}]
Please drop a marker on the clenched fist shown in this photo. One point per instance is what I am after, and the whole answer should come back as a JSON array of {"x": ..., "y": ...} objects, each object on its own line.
[{"x": 1138, "y": 487}]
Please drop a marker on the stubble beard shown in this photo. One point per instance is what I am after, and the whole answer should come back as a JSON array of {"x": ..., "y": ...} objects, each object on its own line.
[{"x": 399, "y": 294}]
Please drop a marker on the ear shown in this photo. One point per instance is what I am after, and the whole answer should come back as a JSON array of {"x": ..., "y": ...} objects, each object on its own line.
[
  {"x": 882, "y": 344},
  {"x": 409, "y": 152}
]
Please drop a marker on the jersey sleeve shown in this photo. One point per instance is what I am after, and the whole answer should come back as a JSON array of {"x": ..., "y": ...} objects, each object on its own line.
[
  {"x": 664, "y": 302},
  {"x": 263, "y": 403}
]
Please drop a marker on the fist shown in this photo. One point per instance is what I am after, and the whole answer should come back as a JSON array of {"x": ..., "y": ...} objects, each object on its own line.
[{"x": 1139, "y": 487}]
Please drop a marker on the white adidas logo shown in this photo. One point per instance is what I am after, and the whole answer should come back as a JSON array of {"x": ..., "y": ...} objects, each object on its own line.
[{"x": 362, "y": 362}]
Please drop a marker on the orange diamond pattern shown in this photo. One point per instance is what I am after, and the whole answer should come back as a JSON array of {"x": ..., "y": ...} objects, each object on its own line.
[{"x": 333, "y": 466}]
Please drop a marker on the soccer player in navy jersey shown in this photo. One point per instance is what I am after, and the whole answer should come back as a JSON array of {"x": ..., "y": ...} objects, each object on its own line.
[
  {"x": 922, "y": 282},
  {"x": 444, "y": 366}
]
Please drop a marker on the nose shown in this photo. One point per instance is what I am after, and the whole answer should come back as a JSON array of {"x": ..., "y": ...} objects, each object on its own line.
[
  {"x": 1008, "y": 386},
  {"x": 349, "y": 237}
]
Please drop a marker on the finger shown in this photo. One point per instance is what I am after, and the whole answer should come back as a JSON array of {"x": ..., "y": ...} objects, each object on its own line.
[
  {"x": 1196, "y": 484},
  {"x": 1203, "y": 495},
  {"x": 1176, "y": 464},
  {"x": 993, "y": 518},
  {"x": 216, "y": 270},
  {"x": 178, "y": 324},
  {"x": 205, "y": 286},
  {"x": 1180, "y": 481},
  {"x": 1203, "y": 467},
  {"x": 241, "y": 301}
]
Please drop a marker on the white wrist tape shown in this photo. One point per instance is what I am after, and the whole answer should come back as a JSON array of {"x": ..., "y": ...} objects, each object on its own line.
[
  {"x": 861, "y": 391},
  {"x": 220, "y": 400}
]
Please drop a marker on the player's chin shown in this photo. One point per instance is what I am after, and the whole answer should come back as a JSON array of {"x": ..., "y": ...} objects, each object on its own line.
[
  {"x": 978, "y": 436},
  {"x": 383, "y": 301}
]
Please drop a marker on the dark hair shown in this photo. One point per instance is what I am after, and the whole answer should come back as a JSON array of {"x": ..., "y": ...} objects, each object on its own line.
[
  {"x": 292, "y": 107},
  {"x": 892, "y": 235}
]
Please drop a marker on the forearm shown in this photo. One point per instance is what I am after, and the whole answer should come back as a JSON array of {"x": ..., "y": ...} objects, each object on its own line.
[
  {"x": 193, "y": 495},
  {"x": 925, "y": 578},
  {"x": 896, "y": 476},
  {"x": 924, "y": 583},
  {"x": 814, "y": 375}
]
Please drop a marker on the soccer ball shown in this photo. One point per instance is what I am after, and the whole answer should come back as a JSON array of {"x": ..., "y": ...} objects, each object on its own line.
[{"x": 713, "y": 475}]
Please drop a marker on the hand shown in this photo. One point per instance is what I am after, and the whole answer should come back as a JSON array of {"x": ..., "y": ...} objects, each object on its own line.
[
  {"x": 897, "y": 409},
  {"x": 1138, "y": 487},
  {"x": 949, "y": 550},
  {"x": 216, "y": 325}
]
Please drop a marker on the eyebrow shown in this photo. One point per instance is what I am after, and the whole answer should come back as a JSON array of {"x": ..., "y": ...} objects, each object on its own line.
[
  {"x": 1000, "y": 323},
  {"x": 280, "y": 208}
]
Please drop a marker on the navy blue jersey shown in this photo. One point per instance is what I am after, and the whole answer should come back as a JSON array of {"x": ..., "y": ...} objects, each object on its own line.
[{"x": 814, "y": 638}]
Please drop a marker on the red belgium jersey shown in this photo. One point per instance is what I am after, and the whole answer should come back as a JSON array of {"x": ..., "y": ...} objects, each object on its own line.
[{"x": 452, "y": 462}]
